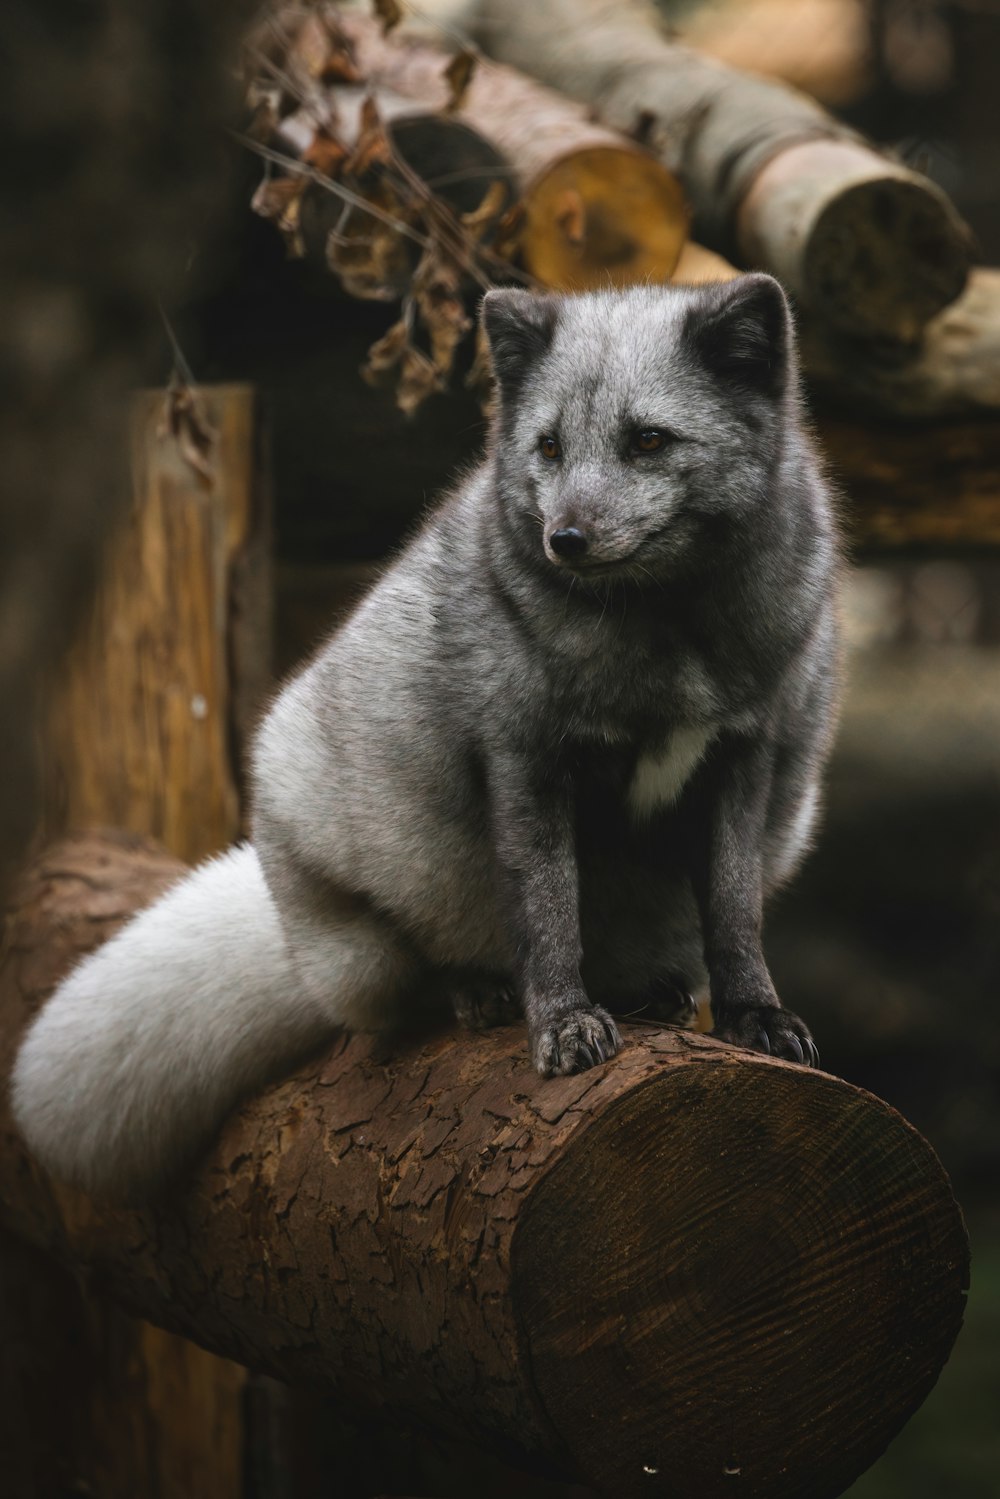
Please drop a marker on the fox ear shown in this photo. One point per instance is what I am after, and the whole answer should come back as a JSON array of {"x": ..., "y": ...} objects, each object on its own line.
[
  {"x": 519, "y": 326},
  {"x": 742, "y": 331}
]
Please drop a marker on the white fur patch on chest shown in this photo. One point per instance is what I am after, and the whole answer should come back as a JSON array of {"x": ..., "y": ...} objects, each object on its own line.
[{"x": 659, "y": 779}]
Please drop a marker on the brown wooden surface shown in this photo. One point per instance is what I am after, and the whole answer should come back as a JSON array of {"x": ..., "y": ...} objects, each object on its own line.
[
  {"x": 928, "y": 486},
  {"x": 690, "y": 1261},
  {"x": 155, "y": 695},
  {"x": 868, "y": 244},
  {"x": 143, "y": 729}
]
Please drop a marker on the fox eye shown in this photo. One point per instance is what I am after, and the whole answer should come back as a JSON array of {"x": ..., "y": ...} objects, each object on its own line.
[
  {"x": 550, "y": 448},
  {"x": 647, "y": 440}
]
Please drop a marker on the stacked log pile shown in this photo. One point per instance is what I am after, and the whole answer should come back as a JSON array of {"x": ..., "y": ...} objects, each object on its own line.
[
  {"x": 354, "y": 112},
  {"x": 473, "y": 172}
]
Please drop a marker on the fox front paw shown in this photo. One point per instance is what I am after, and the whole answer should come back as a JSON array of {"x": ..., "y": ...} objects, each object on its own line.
[
  {"x": 773, "y": 1031},
  {"x": 574, "y": 1041}
]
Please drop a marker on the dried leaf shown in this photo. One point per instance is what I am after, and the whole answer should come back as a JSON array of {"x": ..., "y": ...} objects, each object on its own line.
[
  {"x": 310, "y": 48},
  {"x": 386, "y": 353},
  {"x": 325, "y": 153},
  {"x": 418, "y": 380},
  {"x": 341, "y": 63},
  {"x": 186, "y": 421},
  {"x": 274, "y": 194},
  {"x": 280, "y": 200},
  {"x": 437, "y": 291},
  {"x": 389, "y": 12},
  {"x": 264, "y": 103},
  {"x": 507, "y": 240},
  {"x": 482, "y": 218},
  {"x": 372, "y": 148},
  {"x": 458, "y": 75},
  {"x": 370, "y": 259}
]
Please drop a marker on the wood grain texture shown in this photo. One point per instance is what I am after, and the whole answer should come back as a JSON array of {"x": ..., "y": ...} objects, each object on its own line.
[
  {"x": 151, "y": 702},
  {"x": 690, "y": 1265}
]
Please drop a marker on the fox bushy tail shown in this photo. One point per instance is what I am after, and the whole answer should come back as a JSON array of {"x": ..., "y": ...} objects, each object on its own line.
[{"x": 146, "y": 1046}]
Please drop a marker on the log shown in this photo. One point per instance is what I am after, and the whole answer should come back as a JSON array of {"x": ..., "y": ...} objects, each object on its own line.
[
  {"x": 953, "y": 373},
  {"x": 774, "y": 180},
  {"x": 456, "y": 162},
  {"x": 919, "y": 488},
  {"x": 596, "y": 207},
  {"x": 691, "y": 1266}
]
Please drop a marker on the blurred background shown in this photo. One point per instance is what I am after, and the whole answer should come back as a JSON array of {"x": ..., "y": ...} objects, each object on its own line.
[{"x": 131, "y": 244}]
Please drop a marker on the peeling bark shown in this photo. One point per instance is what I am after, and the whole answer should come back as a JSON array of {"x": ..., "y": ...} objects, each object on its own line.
[{"x": 691, "y": 1262}]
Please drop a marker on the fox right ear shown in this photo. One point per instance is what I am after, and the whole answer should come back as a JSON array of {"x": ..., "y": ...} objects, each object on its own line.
[{"x": 519, "y": 326}]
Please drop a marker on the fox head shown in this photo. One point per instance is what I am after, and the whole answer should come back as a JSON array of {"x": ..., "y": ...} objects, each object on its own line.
[{"x": 630, "y": 423}]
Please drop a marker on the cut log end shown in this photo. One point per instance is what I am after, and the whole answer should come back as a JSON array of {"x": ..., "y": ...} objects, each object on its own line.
[
  {"x": 884, "y": 258},
  {"x": 870, "y": 247},
  {"x": 603, "y": 217},
  {"x": 767, "y": 1265}
]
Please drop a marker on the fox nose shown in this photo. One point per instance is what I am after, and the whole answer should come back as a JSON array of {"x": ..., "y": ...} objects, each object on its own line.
[{"x": 570, "y": 541}]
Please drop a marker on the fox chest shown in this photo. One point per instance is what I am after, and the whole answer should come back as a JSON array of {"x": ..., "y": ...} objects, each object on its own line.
[{"x": 660, "y": 776}]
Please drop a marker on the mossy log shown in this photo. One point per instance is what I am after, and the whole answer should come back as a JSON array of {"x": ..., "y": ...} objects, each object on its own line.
[
  {"x": 774, "y": 180},
  {"x": 687, "y": 1269}
]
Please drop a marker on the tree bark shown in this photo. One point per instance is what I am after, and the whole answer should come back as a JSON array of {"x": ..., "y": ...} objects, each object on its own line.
[
  {"x": 692, "y": 1265},
  {"x": 774, "y": 180}
]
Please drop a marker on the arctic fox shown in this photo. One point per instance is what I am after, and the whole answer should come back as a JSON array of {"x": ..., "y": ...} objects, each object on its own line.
[{"x": 557, "y": 758}]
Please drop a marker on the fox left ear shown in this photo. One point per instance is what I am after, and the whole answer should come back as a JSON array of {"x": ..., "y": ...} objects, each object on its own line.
[
  {"x": 742, "y": 330},
  {"x": 519, "y": 326}
]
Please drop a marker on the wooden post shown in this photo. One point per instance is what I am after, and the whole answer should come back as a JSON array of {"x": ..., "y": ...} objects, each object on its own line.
[
  {"x": 692, "y": 1266},
  {"x": 144, "y": 728},
  {"x": 153, "y": 700}
]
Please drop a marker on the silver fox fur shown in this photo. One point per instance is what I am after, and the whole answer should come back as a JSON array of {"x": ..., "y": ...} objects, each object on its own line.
[{"x": 558, "y": 757}]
